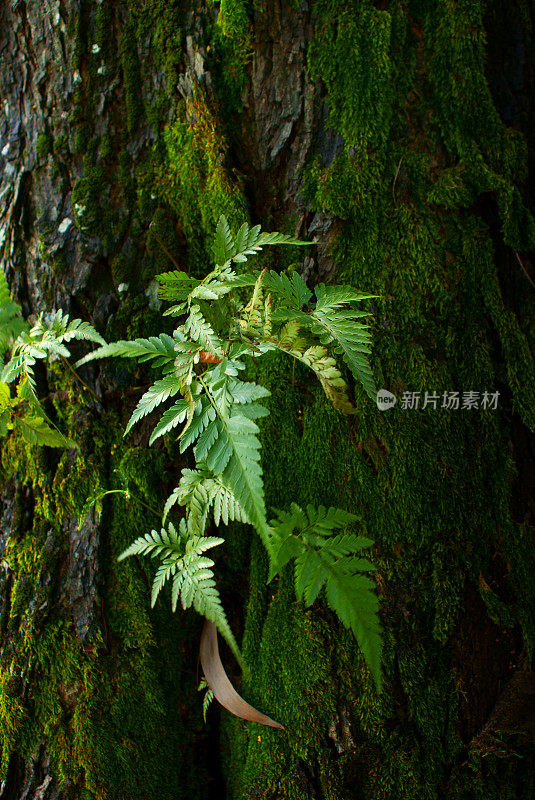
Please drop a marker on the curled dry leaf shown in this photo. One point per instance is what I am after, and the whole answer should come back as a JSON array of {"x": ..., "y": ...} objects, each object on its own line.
[{"x": 218, "y": 681}]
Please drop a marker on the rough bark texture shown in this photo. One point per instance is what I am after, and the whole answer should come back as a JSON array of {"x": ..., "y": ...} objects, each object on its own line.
[{"x": 398, "y": 136}]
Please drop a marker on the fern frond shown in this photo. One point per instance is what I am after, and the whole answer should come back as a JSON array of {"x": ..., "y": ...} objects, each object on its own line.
[
  {"x": 192, "y": 492},
  {"x": 248, "y": 241},
  {"x": 352, "y": 598},
  {"x": 200, "y": 330},
  {"x": 63, "y": 330},
  {"x": 204, "y": 414},
  {"x": 267, "y": 317},
  {"x": 226, "y": 506},
  {"x": 331, "y": 297},
  {"x": 11, "y": 322},
  {"x": 164, "y": 544},
  {"x": 160, "y": 349},
  {"x": 169, "y": 503},
  {"x": 245, "y": 392},
  {"x": 230, "y": 448},
  {"x": 252, "y": 318},
  {"x": 351, "y": 339},
  {"x": 200, "y": 489},
  {"x": 187, "y": 354},
  {"x": 35, "y": 430},
  {"x": 170, "y": 419},
  {"x": 292, "y": 290},
  {"x": 318, "y": 359},
  {"x": 176, "y": 285},
  {"x": 194, "y": 583},
  {"x": 45, "y": 339},
  {"x": 208, "y": 696},
  {"x": 158, "y": 393},
  {"x": 289, "y": 339},
  {"x": 224, "y": 246},
  {"x": 326, "y": 561},
  {"x": 183, "y": 560},
  {"x": 52, "y": 330}
]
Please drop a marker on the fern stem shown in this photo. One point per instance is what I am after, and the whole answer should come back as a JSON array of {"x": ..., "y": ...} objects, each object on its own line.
[
  {"x": 88, "y": 388},
  {"x": 130, "y": 496},
  {"x": 164, "y": 248}
]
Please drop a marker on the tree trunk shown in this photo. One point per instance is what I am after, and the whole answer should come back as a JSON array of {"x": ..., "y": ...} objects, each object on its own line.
[{"x": 399, "y": 137}]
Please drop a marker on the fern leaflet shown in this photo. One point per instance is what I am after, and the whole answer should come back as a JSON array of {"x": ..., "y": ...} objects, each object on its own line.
[
  {"x": 292, "y": 290},
  {"x": 248, "y": 242},
  {"x": 231, "y": 448},
  {"x": 158, "y": 393},
  {"x": 324, "y": 560},
  {"x": 184, "y": 561},
  {"x": 170, "y": 419},
  {"x": 159, "y": 349}
]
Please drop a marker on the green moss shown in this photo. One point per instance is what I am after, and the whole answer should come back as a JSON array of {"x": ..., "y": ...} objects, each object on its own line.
[
  {"x": 82, "y": 136},
  {"x": 106, "y": 147},
  {"x": 195, "y": 182},
  {"x": 164, "y": 22},
  {"x": 43, "y": 146},
  {"x": 61, "y": 146},
  {"x": 360, "y": 99},
  {"x": 233, "y": 41},
  {"x": 131, "y": 78}
]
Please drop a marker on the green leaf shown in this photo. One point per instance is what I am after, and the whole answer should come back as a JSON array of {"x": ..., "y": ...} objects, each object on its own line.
[
  {"x": 353, "y": 600},
  {"x": 35, "y": 430},
  {"x": 170, "y": 419},
  {"x": 204, "y": 414},
  {"x": 162, "y": 544},
  {"x": 223, "y": 242},
  {"x": 291, "y": 289},
  {"x": 200, "y": 330},
  {"x": 5, "y": 396},
  {"x": 331, "y": 297},
  {"x": 11, "y": 322},
  {"x": 161, "y": 349},
  {"x": 175, "y": 285},
  {"x": 5, "y": 421},
  {"x": 248, "y": 241},
  {"x": 158, "y": 393},
  {"x": 352, "y": 340},
  {"x": 330, "y": 377},
  {"x": 252, "y": 317},
  {"x": 182, "y": 560},
  {"x": 324, "y": 560},
  {"x": 231, "y": 448}
]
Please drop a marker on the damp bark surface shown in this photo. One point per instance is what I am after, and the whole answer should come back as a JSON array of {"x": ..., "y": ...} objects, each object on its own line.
[{"x": 398, "y": 137}]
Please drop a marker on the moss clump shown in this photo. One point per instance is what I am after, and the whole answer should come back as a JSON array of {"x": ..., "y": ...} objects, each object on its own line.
[
  {"x": 61, "y": 146},
  {"x": 196, "y": 182},
  {"x": 131, "y": 74},
  {"x": 233, "y": 44},
  {"x": 43, "y": 146}
]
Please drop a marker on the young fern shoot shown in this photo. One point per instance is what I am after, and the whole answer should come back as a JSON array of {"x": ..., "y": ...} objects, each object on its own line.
[{"x": 216, "y": 412}]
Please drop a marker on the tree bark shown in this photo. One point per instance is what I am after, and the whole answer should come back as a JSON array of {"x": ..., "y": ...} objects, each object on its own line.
[{"x": 398, "y": 136}]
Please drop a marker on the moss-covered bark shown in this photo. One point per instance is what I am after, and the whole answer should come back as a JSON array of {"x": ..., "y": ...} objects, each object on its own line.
[{"x": 399, "y": 136}]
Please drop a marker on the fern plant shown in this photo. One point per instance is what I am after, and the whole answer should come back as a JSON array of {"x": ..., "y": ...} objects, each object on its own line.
[
  {"x": 45, "y": 340},
  {"x": 216, "y": 412}
]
